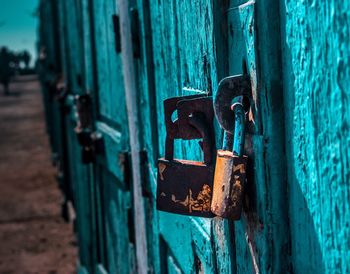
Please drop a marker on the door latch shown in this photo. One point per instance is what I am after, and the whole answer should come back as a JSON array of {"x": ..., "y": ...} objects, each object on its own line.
[{"x": 91, "y": 142}]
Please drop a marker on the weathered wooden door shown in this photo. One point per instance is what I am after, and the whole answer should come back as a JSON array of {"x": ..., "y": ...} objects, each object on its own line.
[
  {"x": 80, "y": 175},
  {"x": 290, "y": 224},
  {"x": 112, "y": 186},
  {"x": 179, "y": 56},
  {"x": 187, "y": 47}
]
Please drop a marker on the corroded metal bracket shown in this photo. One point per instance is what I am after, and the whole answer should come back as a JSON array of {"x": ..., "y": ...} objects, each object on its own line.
[
  {"x": 230, "y": 88},
  {"x": 91, "y": 142}
]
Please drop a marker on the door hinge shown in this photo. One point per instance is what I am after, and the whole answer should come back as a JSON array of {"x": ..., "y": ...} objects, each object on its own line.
[
  {"x": 135, "y": 33},
  {"x": 116, "y": 28},
  {"x": 126, "y": 166}
]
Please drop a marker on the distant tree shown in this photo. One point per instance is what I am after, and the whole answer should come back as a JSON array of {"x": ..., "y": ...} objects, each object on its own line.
[
  {"x": 5, "y": 68},
  {"x": 26, "y": 57}
]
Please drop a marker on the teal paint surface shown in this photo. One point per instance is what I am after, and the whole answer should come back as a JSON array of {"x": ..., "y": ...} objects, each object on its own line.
[
  {"x": 296, "y": 215},
  {"x": 316, "y": 70},
  {"x": 184, "y": 62}
]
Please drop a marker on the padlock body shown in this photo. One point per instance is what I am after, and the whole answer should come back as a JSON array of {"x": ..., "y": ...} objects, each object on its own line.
[
  {"x": 229, "y": 182},
  {"x": 185, "y": 187}
]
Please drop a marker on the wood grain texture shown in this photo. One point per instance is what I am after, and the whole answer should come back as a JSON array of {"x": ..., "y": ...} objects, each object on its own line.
[
  {"x": 262, "y": 236},
  {"x": 316, "y": 73},
  {"x": 183, "y": 58},
  {"x": 297, "y": 208}
]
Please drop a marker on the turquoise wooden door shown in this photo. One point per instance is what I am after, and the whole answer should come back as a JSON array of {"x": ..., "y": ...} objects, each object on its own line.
[
  {"x": 179, "y": 56},
  {"x": 261, "y": 236},
  {"x": 187, "y": 48},
  {"x": 113, "y": 200},
  {"x": 296, "y": 202},
  {"x": 80, "y": 175}
]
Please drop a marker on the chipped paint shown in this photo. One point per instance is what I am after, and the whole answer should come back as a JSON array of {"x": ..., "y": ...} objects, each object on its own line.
[
  {"x": 161, "y": 168},
  {"x": 229, "y": 181}
]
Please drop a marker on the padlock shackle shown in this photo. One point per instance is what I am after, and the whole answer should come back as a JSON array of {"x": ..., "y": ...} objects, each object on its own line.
[
  {"x": 199, "y": 123},
  {"x": 235, "y": 142},
  {"x": 239, "y": 136}
]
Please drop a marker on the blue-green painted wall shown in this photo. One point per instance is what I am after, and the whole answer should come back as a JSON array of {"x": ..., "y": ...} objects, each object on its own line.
[
  {"x": 316, "y": 73},
  {"x": 297, "y": 213}
]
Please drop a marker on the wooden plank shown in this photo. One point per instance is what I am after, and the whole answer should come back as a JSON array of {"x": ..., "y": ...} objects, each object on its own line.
[
  {"x": 315, "y": 39},
  {"x": 135, "y": 147}
]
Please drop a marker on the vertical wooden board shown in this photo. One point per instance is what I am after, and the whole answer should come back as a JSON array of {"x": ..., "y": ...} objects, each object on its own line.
[
  {"x": 47, "y": 70},
  {"x": 223, "y": 240},
  {"x": 63, "y": 39},
  {"x": 115, "y": 144},
  {"x": 111, "y": 101},
  {"x": 144, "y": 68},
  {"x": 262, "y": 235},
  {"x": 73, "y": 48},
  {"x": 204, "y": 260},
  {"x": 86, "y": 36},
  {"x": 315, "y": 44},
  {"x": 116, "y": 204},
  {"x": 236, "y": 45},
  {"x": 249, "y": 257},
  {"x": 166, "y": 80},
  {"x": 173, "y": 227},
  {"x": 184, "y": 58},
  {"x": 80, "y": 178},
  {"x": 117, "y": 97},
  {"x": 100, "y": 218},
  {"x": 101, "y": 55},
  {"x": 113, "y": 198}
]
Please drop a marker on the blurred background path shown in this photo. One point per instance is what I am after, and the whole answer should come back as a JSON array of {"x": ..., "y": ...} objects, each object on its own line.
[{"x": 33, "y": 236}]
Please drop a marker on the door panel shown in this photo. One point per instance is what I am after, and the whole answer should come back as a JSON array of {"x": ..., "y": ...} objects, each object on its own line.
[
  {"x": 112, "y": 191},
  {"x": 114, "y": 146},
  {"x": 81, "y": 188},
  {"x": 186, "y": 48},
  {"x": 183, "y": 61},
  {"x": 81, "y": 177},
  {"x": 262, "y": 234},
  {"x": 108, "y": 66},
  {"x": 116, "y": 203}
]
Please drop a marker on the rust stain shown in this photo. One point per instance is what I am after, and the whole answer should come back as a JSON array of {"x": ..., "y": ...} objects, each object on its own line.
[
  {"x": 161, "y": 167},
  {"x": 201, "y": 203},
  {"x": 240, "y": 167},
  {"x": 236, "y": 193}
]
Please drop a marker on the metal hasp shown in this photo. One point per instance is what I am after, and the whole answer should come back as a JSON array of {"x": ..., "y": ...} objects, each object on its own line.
[
  {"x": 230, "y": 170},
  {"x": 91, "y": 142},
  {"x": 231, "y": 88},
  {"x": 184, "y": 186}
]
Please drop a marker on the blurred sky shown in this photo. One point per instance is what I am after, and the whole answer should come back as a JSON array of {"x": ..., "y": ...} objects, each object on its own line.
[{"x": 18, "y": 25}]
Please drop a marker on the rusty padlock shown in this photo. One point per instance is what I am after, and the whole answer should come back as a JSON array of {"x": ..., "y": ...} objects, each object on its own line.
[
  {"x": 184, "y": 186},
  {"x": 230, "y": 170}
]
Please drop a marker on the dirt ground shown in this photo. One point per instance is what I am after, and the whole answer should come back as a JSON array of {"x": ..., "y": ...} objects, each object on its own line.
[{"x": 33, "y": 236}]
